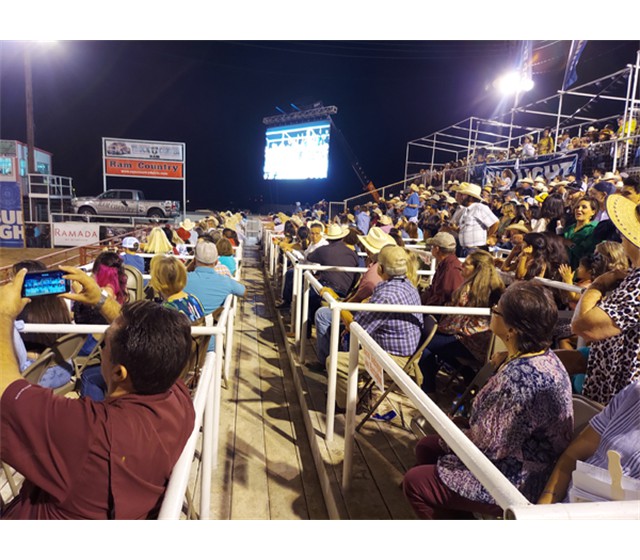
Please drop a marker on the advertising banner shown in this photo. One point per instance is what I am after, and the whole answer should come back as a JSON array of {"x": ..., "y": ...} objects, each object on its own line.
[
  {"x": 143, "y": 149},
  {"x": 549, "y": 168},
  {"x": 74, "y": 234},
  {"x": 11, "y": 224},
  {"x": 144, "y": 168}
]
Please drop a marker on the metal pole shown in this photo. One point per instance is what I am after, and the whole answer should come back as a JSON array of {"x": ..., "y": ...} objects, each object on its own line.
[
  {"x": 555, "y": 147},
  {"x": 28, "y": 91}
]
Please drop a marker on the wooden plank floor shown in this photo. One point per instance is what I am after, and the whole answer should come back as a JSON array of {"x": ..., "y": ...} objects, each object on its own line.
[
  {"x": 266, "y": 469},
  {"x": 382, "y": 454}
]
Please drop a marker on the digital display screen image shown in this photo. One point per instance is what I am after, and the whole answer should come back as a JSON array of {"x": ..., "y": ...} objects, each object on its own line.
[{"x": 299, "y": 151}]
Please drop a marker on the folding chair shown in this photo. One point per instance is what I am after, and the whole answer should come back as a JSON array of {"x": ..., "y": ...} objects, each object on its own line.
[
  {"x": 584, "y": 409},
  {"x": 429, "y": 328},
  {"x": 135, "y": 283},
  {"x": 34, "y": 372},
  {"x": 462, "y": 403},
  {"x": 199, "y": 346}
]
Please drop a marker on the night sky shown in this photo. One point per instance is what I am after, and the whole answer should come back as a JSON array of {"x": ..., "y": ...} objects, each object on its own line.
[{"x": 213, "y": 95}]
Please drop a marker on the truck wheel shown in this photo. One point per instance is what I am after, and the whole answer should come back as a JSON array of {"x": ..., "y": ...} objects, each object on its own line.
[
  {"x": 87, "y": 211},
  {"x": 156, "y": 214}
]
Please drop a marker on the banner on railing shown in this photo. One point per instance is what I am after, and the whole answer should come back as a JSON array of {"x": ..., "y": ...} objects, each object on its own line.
[
  {"x": 374, "y": 369},
  {"x": 549, "y": 168},
  {"x": 74, "y": 234}
]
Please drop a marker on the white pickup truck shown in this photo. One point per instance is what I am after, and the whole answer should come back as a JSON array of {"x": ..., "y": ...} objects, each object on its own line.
[{"x": 125, "y": 202}]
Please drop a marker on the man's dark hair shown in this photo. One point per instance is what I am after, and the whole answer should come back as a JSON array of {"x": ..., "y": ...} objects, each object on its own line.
[
  {"x": 530, "y": 310},
  {"x": 631, "y": 182},
  {"x": 153, "y": 343}
]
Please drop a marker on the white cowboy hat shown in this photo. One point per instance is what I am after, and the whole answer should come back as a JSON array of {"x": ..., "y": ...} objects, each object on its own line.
[
  {"x": 375, "y": 240},
  {"x": 336, "y": 231},
  {"x": 187, "y": 224}
]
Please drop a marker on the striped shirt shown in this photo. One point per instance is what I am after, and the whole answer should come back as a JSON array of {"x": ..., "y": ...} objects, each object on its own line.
[
  {"x": 619, "y": 428},
  {"x": 396, "y": 333}
]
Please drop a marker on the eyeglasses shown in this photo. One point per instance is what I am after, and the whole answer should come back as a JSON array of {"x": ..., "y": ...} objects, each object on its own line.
[{"x": 494, "y": 311}]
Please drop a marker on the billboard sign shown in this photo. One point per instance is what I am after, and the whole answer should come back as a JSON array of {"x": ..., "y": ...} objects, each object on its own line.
[
  {"x": 75, "y": 234},
  {"x": 143, "y": 158}
]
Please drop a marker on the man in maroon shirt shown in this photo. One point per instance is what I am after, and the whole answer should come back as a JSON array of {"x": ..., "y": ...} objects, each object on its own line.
[
  {"x": 448, "y": 276},
  {"x": 83, "y": 459}
]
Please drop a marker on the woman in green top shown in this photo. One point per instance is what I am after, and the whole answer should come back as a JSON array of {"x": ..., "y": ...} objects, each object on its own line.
[{"x": 581, "y": 233}]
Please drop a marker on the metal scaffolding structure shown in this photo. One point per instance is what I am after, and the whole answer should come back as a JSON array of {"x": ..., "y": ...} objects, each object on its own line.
[{"x": 573, "y": 110}]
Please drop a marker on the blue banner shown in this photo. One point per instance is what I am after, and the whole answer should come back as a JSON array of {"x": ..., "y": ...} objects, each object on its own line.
[
  {"x": 571, "y": 72},
  {"x": 11, "y": 225},
  {"x": 549, "y": 168}
]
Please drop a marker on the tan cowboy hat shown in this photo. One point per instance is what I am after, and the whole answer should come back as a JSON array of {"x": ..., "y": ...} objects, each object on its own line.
[
  {"x": 375, "y": 240},
  {"x": 625, "y": 215},
  {"x": 336, "y": 231},
  {"x": 470, "y": 190},
  {"x": 385, "y": 220},
  {"x": 414, "y": 187},
  {"x": 609, "y": 176},
  {"x": 297, "y": 220},
  {"x": 527, "y": 180}
]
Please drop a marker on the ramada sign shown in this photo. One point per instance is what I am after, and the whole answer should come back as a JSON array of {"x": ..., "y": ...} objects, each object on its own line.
[{"x": 75, "y": 234}]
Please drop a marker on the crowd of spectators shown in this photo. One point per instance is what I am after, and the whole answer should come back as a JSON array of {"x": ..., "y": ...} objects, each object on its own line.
[{"x": 490, "y": 245}]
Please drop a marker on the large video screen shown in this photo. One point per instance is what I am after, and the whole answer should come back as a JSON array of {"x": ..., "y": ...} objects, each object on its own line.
[{"x": 298, "y": 151}]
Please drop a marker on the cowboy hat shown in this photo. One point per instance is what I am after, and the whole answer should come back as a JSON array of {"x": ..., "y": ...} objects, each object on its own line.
[
  {"x": 335, "y": 232},
  {"x": 187, "y": 224},
  {"x": 520, "y": 226},
  {"x": 414, "y": 187},
  {"x": 470, "y": 190},
  {"x": 527, "y": 180},
  {"x": 609, "y": 176},
  {"x": 385, "y": 220},
  {"x": 625, "y": 215},
  {"x": 375, "y": 240}
]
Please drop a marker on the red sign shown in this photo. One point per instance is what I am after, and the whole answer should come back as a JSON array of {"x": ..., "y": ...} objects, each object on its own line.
[{"x": 144, "y": 168}]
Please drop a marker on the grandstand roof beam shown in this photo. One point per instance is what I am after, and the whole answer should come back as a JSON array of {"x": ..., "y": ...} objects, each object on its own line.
[{"x": 592, "y": 95}]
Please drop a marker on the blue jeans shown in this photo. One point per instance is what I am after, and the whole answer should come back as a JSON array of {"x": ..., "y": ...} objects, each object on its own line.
[
  {"x": 446, "y": 348},
  {"x": 92, "y": 384},
  {"x": 323, "y": 335}
]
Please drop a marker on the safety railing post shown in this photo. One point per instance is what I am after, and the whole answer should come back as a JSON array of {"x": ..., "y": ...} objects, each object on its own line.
[
  {"x": 332, "y": 372},
  {"x": 352, "y": 401}
]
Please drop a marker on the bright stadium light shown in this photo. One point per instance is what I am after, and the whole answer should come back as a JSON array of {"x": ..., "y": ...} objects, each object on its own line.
[{"x": 513, "y": 82}]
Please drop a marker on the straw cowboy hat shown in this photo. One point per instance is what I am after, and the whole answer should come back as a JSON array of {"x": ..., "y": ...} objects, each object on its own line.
[
  {"x": 385, "y": 220},
  {"x": 187, "y": 224},
  {"x": 470, "y": 190},
  {"x": 297, "y": 220},
  {"x": 520, "y": 226},
  {"x": 375, "y": 240},
  {"x": 527, "y": 180},
  {"x": 414, "y": 187},
  {"x": 608, "y": 176},
  {"x": 625, "y": 215},
  {"x": 335, "y": 232}
]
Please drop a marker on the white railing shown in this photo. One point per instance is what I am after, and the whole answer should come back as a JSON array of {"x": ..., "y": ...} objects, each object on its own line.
[
  {"x": 302, "y": 318},
  {"x": 507, "y": 496}
]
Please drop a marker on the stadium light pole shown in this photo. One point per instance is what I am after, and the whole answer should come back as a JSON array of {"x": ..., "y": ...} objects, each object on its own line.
[
  {"x": 28, "y": 88},
  {"x": 514, "y": 83}
]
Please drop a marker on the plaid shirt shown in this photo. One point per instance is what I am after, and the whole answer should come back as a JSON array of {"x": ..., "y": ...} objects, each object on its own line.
[
  {"x": 397, "y": 333},
  {"x": 474, "y": 221}
]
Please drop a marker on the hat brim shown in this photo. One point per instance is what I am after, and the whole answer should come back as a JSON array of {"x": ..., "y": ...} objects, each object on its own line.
[
  {"x": 336, "y": 237},
  {"x": 624, "y": 215},
  {"x": 469, "y": 193},
  {"x": 375, "y": 250}
]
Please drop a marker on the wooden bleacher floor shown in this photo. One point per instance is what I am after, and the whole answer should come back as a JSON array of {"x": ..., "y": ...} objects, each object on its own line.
[{"x": 269, "y": 468}]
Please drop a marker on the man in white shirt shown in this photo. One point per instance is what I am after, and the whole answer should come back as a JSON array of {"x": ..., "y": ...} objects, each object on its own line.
[{"x": 473, "y": 220}]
